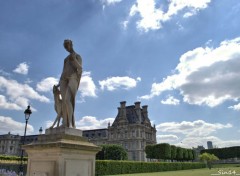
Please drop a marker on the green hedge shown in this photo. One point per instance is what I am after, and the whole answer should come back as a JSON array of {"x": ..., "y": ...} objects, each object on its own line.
[
  {"x": 128, "y": 167},
  {"x": 12, "y": 158}
]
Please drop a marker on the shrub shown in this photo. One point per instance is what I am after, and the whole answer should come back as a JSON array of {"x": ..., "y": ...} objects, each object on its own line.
[
  {"x": 224, "y": 153},
  {"x": 12, "y": 158},
  {"x": 112, "y": 152},
  {"x": 128, "y": 167}
]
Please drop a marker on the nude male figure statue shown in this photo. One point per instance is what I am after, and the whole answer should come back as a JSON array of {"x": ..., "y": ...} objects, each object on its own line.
[{"x": 69, "y": 83}]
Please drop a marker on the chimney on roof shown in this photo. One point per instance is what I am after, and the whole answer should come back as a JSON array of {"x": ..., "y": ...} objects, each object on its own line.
[
  {"x": 122, "y": 110},
  {"x": 123, "y": 104},
  {"x": 145, "y": 111},
  {"x": 119, "y": 111},
  {"x": 137, "y": 104},
  {"x": 138, "y": 110},
  {"x": 145, "y": 108}
]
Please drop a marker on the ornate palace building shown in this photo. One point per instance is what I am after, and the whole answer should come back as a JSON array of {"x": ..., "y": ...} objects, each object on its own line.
[{"x": 131, "y": 129}]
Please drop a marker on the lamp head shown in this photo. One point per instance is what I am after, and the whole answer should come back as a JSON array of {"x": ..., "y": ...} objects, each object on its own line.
[{"x": 27, "y": 112}]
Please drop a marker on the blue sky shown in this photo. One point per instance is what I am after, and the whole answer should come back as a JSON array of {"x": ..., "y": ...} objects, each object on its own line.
[{"x": 179, "y": 57}]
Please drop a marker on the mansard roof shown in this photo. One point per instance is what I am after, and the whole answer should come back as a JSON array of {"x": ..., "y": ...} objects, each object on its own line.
[{"x": 131, "y": 115}]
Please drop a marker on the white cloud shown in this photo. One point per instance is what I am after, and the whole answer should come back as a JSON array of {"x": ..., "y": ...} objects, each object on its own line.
[
  {"x": 90, "y": 122},
  {"x": 198, "y": 128},
  {"x": 8, "y": 105},
  {"x": 7, "y": 124},
  {"x": 125, "y": 24},
  {"x": 169, "y": 138},
  {"x": 235, "y": 107},
  {"x": 28, "y": 81},
  {"x": 18, "y": 93},
  {"x": 110, "y": 2},
  {"x": 22, "y": 68},
  {"x": 46, "y": 84},
  {"x": 190, "y": 7},
  {"x": 150, "y": 16},
  {"x": 4, "y": 73},
  {"x": 188, "y": 14},
  {"x": 171, "y": 101},
  {"x": 87, "y": 86},
  {"x": 114, "y": 83},
  {"x": 153, "y": 17},
  {"x": 191, "y": 134},
  {"x": 139, "y": 79},
  {"x": 205, "y": 76},
  {"x": 48, "y": 123}
]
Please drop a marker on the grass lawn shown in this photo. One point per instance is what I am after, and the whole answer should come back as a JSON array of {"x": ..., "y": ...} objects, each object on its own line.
[{"x": 218, "y": 169}]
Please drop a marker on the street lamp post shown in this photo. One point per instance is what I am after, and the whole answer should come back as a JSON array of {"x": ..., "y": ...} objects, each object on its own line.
[{"x": 27, "y": 113}]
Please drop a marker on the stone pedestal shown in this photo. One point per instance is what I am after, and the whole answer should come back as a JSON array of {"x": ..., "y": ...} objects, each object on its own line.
[{"x": 61, "y": 152}]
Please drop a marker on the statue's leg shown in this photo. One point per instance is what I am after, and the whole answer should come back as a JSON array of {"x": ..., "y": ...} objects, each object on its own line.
[
  {"x": 70, "y": 97},
  {"x": 63, "y": 90},
  {"x": 59, "y": 117},
  {"x": 54, "y": 122},
  {"x": 68, "y": 105}
]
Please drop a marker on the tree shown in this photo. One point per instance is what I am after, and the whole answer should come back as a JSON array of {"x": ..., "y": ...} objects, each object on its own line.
[
  {"x": 150, "y": 151},
  {"x": 208, "y": 158},
  {"x": 224, "y": 153},
  {"x": 179, "y": 153},
  {"x": 173, "y": 152},
  {"x": 164, "y": 150},
  {"x": 194, "y": 154},
  {"x": 112, "y": 152},
  {"x": 185, "y": 154},
  {"x": 190, "y": 154}
]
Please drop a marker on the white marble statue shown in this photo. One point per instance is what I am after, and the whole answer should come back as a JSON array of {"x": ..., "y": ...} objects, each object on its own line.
[{"x": 69, "y": 83}]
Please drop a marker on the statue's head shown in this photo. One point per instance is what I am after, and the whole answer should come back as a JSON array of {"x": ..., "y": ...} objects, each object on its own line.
[{"x": 68, "y": 45}]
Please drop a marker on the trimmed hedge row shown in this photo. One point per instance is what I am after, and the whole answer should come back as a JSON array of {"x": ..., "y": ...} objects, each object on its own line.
[
  {"x": 10, "y": 158},
  {"x": 128, "y": 167}
]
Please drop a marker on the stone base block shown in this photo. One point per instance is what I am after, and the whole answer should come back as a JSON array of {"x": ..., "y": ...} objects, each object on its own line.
[
  {"x": 61, "y": 154},
  {"x": 63, "y": 130}
]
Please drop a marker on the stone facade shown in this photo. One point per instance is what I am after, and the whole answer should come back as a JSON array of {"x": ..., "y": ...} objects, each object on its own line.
[
  {"x": 131, "y": 129},
  {"x": 10, "y": 144}
]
